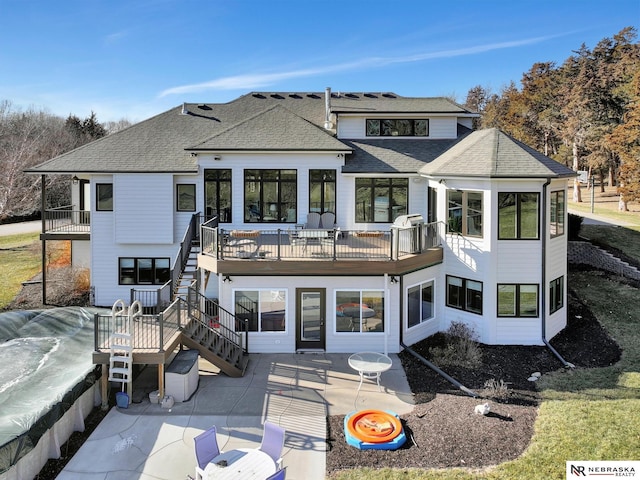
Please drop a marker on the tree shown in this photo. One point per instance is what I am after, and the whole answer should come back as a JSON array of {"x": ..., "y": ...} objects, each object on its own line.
[{"x": 625, "y": 141}]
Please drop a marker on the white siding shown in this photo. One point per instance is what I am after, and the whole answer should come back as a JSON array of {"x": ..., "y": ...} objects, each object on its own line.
[
  {"x": 519, "y": 331},
  {"x": 336, "y": 342},
  {"x": 143, "y": 208}
]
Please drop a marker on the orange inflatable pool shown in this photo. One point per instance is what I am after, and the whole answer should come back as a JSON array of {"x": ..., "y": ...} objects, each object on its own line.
[{"x": 373, "y": 426}]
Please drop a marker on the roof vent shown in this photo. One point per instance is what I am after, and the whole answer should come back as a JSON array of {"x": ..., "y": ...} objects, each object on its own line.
[
  {"x": 370, "y": 95},
  {"x": 388, "y": 95},
  {"x": 259, "y": 95},
  {"x": 184, "y": 110}
]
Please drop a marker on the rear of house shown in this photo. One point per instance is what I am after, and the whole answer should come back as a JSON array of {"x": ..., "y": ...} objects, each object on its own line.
[{"x": 424, "y": 221}]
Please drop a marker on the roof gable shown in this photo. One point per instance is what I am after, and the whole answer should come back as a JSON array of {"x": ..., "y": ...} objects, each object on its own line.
[
  {"x": 273, "y": 129},
  {"x": 492, "y": 153}
]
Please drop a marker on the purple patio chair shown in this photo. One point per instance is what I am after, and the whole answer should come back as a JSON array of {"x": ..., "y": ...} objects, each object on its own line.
[
  {"x": 273, "y": 442},
  {"x": 279, "y": 475},
  {"x": 206, "y": 447}
]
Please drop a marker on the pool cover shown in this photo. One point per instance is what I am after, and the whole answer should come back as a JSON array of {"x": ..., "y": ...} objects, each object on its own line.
[{"x": 45, "y": 365}]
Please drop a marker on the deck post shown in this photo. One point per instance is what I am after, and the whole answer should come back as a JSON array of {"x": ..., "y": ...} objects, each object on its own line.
[
  {"x": 43, "y": 206},
  {"x": 104, "y": 386},
  {"x": 161, "y": 380}
]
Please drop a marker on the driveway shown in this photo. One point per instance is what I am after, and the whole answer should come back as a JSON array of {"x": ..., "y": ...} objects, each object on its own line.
[{"x": 296, "y": 391}]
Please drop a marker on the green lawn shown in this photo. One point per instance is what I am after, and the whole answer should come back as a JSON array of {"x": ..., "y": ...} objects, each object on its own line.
[
  {"x": 20, "y": 260},
  {"x": 587, "y": 414}
]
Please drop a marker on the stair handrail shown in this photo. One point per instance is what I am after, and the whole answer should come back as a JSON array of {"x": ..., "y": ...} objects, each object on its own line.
[
  {"x": 228, "y": 325},
  {"x": 180, "y": 262}
]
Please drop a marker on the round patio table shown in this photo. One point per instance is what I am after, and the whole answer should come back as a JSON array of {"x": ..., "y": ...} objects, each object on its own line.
[
  {"x": 244, "y": 463},
  {"x": 370, "y": 365}
]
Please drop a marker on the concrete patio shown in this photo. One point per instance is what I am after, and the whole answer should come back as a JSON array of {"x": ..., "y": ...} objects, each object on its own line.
[{"x": 296, "y": 391}]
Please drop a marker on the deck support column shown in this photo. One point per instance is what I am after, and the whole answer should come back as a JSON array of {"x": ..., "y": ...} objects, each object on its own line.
[
  {"x": 161, "y": 381},
  {"x": 104, "y": 387}
]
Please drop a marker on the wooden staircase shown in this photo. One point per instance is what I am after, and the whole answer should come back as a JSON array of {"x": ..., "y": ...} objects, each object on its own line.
[
  {"x": 212, "y": 331},
  {"x": 215, "y": 347},
  {"x": 189, "y": 273}
]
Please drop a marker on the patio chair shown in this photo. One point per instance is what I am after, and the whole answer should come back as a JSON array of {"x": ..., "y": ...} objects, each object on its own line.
[
  {"x": 206, "y": 448},
  {"x": 279, "y": 475},
  {"x": 273, "y": 442},
  {"x": 328, "y": 220},
  {"x": 313, "y": 220}
]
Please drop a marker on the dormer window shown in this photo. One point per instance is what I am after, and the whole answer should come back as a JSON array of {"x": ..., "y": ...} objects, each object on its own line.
[{"x": 378, "y": 127}]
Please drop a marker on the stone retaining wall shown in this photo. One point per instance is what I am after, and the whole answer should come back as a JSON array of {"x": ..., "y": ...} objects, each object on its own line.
[{"x": 588, "y": 254}]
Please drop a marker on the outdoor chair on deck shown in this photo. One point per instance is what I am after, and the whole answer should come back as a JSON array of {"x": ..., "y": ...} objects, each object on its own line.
[
  {"x": 206, "y": 447},
  {"x": 328, "y": 220},
  {"x": 313, "y": 220},
  {"x": 273, "y": 442}
]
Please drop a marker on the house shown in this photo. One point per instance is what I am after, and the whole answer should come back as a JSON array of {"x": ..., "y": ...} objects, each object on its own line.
[{"x": 324, "y": 221}]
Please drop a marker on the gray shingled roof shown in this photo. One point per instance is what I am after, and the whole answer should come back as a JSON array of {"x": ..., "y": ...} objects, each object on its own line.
[
  {"x": 492, "y": 153},
  {"x": 273, "y": 129},
  {"x": 162, "y": 143}
]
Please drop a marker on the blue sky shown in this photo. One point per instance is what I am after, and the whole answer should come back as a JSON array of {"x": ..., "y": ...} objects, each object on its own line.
[{"x": 136, "y": 58}]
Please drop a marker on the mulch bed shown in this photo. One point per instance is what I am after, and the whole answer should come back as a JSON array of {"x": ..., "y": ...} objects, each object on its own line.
[{"x": 443, "y": 431}]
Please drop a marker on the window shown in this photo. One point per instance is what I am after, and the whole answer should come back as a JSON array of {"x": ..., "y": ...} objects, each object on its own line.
[
  {"x": 465, "y": 212},
  {"x": 217, "y": 194},
  {"x": 432, "y": 206},
  {"x": 556, "y": 294},
  {"x": 381, "y": 199},
  {"x": 420, "y": 304},
  {"x": 322, "y": 191},
  {"x": 270, "y": 196},
  {"x": 263, "y": 310},
  {"x": 397, "y": 127},
  {"x": 517, "y": 300},
  {"x": 518, "y": 216},
  {"x": 186, "y": 197},
  {"x": 360, "y": 311},
  {"x": 556, "y": 227},
  {"x": 104, "y": 197},
  {"x": 144, "y": 271},
  {"x": 464, "y": 294}
]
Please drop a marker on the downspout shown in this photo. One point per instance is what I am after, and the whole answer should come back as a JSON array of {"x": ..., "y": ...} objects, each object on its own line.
[
  {"x": 386, "y": 325},
  {"x": 444, "y": 375},
  {"x": 543, "y": 293}
]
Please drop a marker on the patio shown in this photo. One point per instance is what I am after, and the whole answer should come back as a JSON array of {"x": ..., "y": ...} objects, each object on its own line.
[{"x": 296, "y": 391}]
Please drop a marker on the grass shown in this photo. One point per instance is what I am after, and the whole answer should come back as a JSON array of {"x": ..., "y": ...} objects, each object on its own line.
[
  {"x": 587, "y": 414},
  {"x": 20, "y": 260}
]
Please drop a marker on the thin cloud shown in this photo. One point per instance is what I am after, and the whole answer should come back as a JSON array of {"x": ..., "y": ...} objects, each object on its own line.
[{"x": 253, "y": 81}]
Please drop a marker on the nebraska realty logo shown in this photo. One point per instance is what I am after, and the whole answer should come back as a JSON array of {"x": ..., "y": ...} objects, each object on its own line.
[{"x": 580, "y": 469}]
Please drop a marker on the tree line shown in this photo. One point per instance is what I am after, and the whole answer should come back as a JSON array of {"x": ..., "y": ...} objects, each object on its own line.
[
  {"x": 584, "y": 113},
  {"x": 30, "y": 137}
]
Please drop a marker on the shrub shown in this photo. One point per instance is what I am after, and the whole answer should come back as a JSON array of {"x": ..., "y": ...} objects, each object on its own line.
[
  {"x": 460, "y": 348},
  {"x": 575, "y": 224}
]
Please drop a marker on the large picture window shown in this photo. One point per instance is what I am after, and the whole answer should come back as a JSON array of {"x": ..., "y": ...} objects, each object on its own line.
[
  {"x": 322, "y": 191},
  {"x": 381, "y": 199},
  {"x": 263, "y": 310},
  {"x": 397, "y": 127},
  {"x": 556, "y": 220},
  {"x": 464, "y": 294},
  {"x": 518, "y": 215},
  {"x": 104, "y": 197},
  {"x": 270, "y": 196},
  {"x": 517, "y": 300},
  {"x": 360, "y": 311},
  {"x": 420, "y": 306},
  {"x": 465, "y": 212},
  {"x": 556, "y": 294},
  {"x": 144, "y": 271}
]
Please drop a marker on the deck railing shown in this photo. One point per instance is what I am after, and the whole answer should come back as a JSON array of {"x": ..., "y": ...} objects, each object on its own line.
[
  {"x": 207, "y": 311},
  {"x": 66, "y": 219},
  {"x": 148, "y": 333},
  {"x": 319, "y": 244}
]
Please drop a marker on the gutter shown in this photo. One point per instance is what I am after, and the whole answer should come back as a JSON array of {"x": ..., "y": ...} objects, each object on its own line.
[
  {"x": 543, "y": 293},
  {"x": 444, "y": 375}
]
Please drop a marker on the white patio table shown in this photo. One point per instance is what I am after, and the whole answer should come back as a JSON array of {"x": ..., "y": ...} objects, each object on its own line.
[
  {"x": 370, "y": 365},
  {"x": 240, "y": 464}
]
